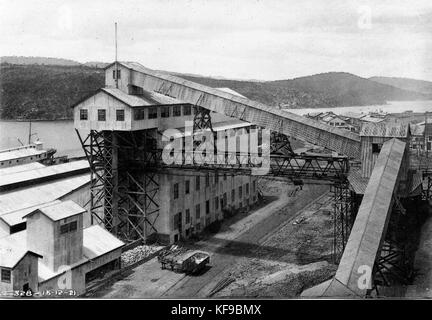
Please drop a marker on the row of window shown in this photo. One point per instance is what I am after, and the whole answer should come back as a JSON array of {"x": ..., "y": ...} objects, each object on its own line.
[
  {"x": 165, "y": 112},
  {"x": 139, "y": 113},
  {"x": 101, "y": 114},
  {"x": 207, "y": 184},
  {"x": 177, "y": 225}
]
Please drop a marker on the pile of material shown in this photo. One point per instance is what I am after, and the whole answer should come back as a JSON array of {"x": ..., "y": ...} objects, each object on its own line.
[{"x": 138, "y": 253}]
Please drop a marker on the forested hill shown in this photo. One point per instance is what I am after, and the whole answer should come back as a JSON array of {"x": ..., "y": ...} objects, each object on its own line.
[{"x": 47, "y": 91}]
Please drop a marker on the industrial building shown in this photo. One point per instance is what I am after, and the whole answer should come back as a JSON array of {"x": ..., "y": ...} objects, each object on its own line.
[
  {"x": 180, "y": 204},
  {"x": 47, "y": 241}
]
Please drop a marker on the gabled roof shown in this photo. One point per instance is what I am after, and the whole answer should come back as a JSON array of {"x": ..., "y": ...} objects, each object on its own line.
[
  {"x": 143, "y": 100},
  {"x": 13, "y": 248},
  {"x": 389, "y": 129},
  {"x": 59, "y": 211}
]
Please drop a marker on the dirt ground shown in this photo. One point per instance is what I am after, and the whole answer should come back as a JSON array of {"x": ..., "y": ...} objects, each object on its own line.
[{"x": 275, "y": 250}]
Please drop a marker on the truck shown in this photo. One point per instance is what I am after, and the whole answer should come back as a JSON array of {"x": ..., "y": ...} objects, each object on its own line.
[{"x": 182, "y": 260}]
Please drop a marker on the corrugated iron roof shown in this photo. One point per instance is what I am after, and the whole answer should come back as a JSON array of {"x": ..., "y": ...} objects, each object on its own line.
[
  {"x": 16, "y": 217},
  {"x": 98, "y": 241},
  {"x": 389, "y": 129},
  {"x": 417, "y": 130},
  {"x": 40, "y": 194},
  {"x": 44, "y": 172},
  {"x": 357, "y": 182},
  {"x": 20, "y": 168},
  {"x": 231, "y": 91},
  {"x": 59, "y": 211}
]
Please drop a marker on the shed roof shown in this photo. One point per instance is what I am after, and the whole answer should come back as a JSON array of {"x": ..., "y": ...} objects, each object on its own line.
[
  {"x": 59, "y": 211},
  {"x": 231, "y": 91},
  {"x": 98, "y": 241},
  {"x": 16, "y": 217},
  {"x": 43, "y": 173},
  {"x": 389, "y": 129},
  {"x": 20, "y": 168}
]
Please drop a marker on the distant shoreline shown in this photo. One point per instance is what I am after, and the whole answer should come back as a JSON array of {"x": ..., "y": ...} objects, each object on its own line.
[{"x": 35, "y": 120}]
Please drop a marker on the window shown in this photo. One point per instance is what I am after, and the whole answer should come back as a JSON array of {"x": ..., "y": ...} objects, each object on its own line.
[
  {"x": 217, "y": 203},
  {"x": 73, "y": 226},
  {"x": 376, "y": 147},
  {"x": 187, "y": 110},
  {"x": 197, "y": 211},
  {"x": 240, "y": 192},
  {"x": 152, "y": 113},
  {"x": 187, "y": 186},
  {"x": 247, "y": 188},
  {"x": 120, "y": 115},
  {"x": 232, "y": 195},
  {"x": 83, "y": 114},
  {"x": 177, "y": 111},
  {"x": 216, "y": 178},
  {"x": 101, "y": 115},
  {"x": 207, "y": 206},
  {"x": 224, "y": 201},
  {"x": 139, "y": 114},
  {"x": 198, "y": 226},
  {"x": 187, "y": 215},
  {"x": 253, "y": 186},
  {"x": 68, "y": 227},
  {"x": 207, "y": 180},
  {"x": 165, "y": 112},
  {"x": 176, "y": 221},
  {"x": 197, "y": 182},
  {"x": 118, "y": 74},
  {"x": 64, "y": 228},
  {"x": 225, "y": 176},
  {"x": 5, "y": 275},
  {"x": 176, "y": 190}
]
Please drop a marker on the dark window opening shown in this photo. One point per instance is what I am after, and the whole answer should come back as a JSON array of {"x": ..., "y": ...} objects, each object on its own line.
[
  {"x": 176, "y": 190},
  {"x": 152, "y": 113},
  {"x": 197, "y": 183},
  {"x": 120, "y": 115},
  {"x": 187, "y": 215},
  {"x": 101, "y": 115},
  {"x": 376, "y": 147},
  {"x": 83, "y": 114},
  {"x": 187, "y": 186},
  {"x": 6, "y": 275},
  {"x": 165, "y": 112},
  {"x": 177, "y": 111},
  {"x": 197, "y": 211},
  {"x": 139, "y": 114},
  {"x": 207, "y": 206},
  {"x": 187, "y": 110}
]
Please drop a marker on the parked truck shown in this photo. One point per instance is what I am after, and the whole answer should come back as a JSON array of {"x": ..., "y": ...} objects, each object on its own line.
[{"x": 182, "y": 260}]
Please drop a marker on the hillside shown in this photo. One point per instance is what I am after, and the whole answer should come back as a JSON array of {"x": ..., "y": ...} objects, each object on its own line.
[
  {"x": 331, "y": 89},
  {"x": 406, "y": 83},
  {"x": 38, "y": 60},
  {"x": 47, "y": 91},
  {"x": 44, "y": 92}
]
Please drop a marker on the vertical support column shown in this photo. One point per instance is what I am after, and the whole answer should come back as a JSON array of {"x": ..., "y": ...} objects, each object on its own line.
[{"x": 342, "y": 218}]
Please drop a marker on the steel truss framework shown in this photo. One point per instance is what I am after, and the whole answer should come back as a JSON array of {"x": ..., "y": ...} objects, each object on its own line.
[
  {"x": 122, "y": 196},
  {"x": 125, "y": 167},
  {"x": 344, "y": 214},
  {"x": 394, "y": 264}
]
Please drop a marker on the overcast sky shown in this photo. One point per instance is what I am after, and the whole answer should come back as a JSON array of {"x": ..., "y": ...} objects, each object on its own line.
[{"x": 243, "y": 39}]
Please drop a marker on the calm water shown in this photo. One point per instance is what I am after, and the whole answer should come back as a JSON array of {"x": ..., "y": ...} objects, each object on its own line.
[
  {"x": 61, "y": 135},
  {"x": 391, "y": 107}
]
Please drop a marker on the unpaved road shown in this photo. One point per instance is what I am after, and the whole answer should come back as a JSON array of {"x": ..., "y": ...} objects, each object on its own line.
[{"x": 238, "y": 238}]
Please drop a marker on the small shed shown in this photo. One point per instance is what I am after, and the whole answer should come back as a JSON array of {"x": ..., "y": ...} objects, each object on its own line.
[{"x": 372, "y": 137}]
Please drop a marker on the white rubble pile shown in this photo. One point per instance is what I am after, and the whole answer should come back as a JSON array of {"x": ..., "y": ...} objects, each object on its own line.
[{"x": 138, "y": 253}]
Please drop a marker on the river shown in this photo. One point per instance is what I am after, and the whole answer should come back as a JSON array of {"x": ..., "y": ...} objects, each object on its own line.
[{"x": 61, "y": 135}]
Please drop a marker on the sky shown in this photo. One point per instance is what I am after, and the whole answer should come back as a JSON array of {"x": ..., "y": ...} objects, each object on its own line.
[{"x": 240, "y": 39}]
